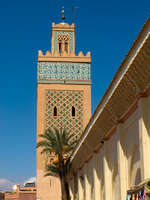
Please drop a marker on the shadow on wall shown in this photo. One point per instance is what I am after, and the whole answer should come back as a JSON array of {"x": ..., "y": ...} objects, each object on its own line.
[
  {"x": 138, "y": 176},
  {"x": 146, "y": 114},
  {"x": 134, "y": 177}
]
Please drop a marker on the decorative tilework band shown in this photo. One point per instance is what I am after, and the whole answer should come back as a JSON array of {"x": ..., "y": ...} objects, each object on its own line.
[{"x": 63, "y": 71}]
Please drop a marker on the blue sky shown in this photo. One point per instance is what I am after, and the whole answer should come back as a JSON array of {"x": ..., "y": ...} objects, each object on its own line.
[{"x": 106, "y": 28}]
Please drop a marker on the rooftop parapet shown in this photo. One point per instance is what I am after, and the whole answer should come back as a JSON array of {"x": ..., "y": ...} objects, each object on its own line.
[
  {"x": 63, "y": 25},
  {"x": 56, "y": 56}
]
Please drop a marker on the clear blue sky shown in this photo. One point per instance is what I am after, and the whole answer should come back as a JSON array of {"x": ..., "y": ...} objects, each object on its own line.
[{"x": 106, "y": 28}]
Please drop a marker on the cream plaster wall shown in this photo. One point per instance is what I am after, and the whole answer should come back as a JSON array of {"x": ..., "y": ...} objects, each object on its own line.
[
  {"x": 87, "y": 183},
  {"x": 81, "y": 185},
  {"x": 100, "y": 172},
  {"x": 111, "y": 169},
  {"x": 144, "y": 135},
  {"x": 91, "y": 177},
  {"x": 122, "y": 161},
  {"x": 96, "y": 176},
  {"x": 131, "y": 146}
]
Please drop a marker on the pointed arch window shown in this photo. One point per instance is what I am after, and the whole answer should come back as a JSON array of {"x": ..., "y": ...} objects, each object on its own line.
[
  {"x": 55, "y": 111},
  {"x": 73, "y": 111},
  {"x": 66, "y": 47},
  {"x": 60, "y": 47}
]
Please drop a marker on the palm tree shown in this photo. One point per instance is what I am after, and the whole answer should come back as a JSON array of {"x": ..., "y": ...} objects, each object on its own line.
[{"x": 58, "y": 144}]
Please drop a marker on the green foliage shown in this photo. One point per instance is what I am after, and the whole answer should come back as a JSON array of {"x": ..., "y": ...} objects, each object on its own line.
[
  {"x": 52, "y": 170},
  {"x": 60, "y": 144}
]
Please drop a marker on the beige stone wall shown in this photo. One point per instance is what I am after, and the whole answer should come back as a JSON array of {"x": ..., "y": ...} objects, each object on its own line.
[
  {"x": 20, "y": 195},
  {"x": 49, "y": 187}
]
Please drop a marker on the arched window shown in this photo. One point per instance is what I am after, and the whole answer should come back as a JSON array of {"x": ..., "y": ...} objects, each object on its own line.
[
  {"x": 60, "y": 47},
  {"x": 55, "y": 111},
  {"x": 73, "y": 111},
  {"x": 66, "y": 47}
]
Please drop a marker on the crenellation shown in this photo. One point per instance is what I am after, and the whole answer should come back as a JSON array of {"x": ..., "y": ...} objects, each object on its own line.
[
  {"x": 56, "y": 54},
  {"x": 72, "y": 57},
  {"x": 40, "y": 53},
  {"x": 47, "y": 53},
  {"x": 88, "y": 54},
  {"x": 80, "y": 54}
]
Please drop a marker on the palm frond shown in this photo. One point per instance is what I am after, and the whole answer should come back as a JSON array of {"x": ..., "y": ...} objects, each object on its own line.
[
  {"x": 43, "y": 143},
  {"x": 70, "y": 146},
  {"x": 69, "y": 138},
  {"x": 64, "y": 136},
  {"x": 58, "y": 137},
  {"x": 51, "y": 174},
  {"x": 48, "y": 135},
  {"x": 50, "y": 140},
  {"x": 52, "y": 169},
  {"x": 57, "y": 143},
  {"x": 47, "y": 151}
]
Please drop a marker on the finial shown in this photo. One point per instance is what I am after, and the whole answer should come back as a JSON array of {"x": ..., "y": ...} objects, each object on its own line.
[{"x": 63, "y": 12}]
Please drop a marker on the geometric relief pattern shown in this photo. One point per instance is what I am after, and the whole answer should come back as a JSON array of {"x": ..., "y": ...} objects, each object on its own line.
[
  {"x": 64, "y": 100},
  {"x": 63, "y": 71}
]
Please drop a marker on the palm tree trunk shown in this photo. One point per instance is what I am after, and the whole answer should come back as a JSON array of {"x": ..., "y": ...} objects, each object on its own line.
[
  {"x": 64, "y": 184},
  {"x": 64, "y": 189},
  {"x": 67, "y": 190}
]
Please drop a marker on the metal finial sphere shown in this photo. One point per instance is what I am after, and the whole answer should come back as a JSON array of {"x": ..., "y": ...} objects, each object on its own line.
[{"x": 63, "y": 12}]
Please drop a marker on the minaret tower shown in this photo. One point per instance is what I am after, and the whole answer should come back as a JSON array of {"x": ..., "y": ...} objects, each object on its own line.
[{"x": 63, "y": 95}]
